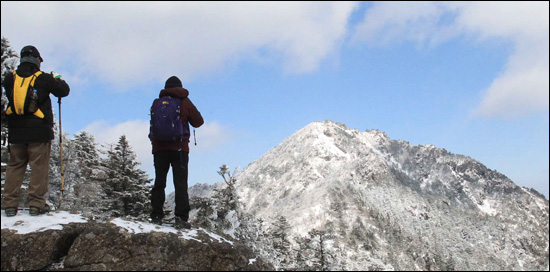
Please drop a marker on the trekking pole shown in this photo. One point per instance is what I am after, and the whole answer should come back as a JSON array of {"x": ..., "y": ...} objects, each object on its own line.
[{"x": 60, "y": 154}]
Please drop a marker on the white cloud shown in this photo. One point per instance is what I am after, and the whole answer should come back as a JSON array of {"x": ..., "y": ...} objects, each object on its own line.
[
  {"x": 390, "y": 22},
  {"x": 136, "y": 132},
  {"x": 523, "y": 86},
  {"x": 134, "y": 42},
  {"x": 210, "y": 136}
]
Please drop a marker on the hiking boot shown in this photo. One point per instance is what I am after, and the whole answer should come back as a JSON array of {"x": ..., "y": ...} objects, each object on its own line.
[
  {"x": 10, "y": 212},
  {"x": 156, "y": 220},
  {"x": 34, "y": 211},
  {"x": 182, "y": 224}
]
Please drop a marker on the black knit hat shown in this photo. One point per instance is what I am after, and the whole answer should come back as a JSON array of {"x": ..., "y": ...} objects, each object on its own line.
[
  {"x": 173, "y": 82},
  {"x": 30, "y": 50}
]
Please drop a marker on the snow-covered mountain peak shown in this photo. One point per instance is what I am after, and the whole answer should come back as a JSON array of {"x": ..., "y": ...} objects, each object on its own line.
[
  {"x": 356, "y": 184},
  {"x": 330, "y": 132}
]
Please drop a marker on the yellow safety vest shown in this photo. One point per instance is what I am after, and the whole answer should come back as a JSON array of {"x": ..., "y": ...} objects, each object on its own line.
[{"x": 21, "y": 88}]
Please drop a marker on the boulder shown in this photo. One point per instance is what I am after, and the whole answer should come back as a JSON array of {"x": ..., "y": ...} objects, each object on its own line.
[{"x": 94, "y": 246}]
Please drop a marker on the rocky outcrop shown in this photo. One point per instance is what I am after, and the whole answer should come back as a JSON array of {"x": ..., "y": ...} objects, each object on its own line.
[{"x": 96, "y": 246}]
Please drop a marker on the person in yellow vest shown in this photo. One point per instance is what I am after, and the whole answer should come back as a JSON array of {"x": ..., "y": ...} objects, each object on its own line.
[{"x": 30, "y": 130}]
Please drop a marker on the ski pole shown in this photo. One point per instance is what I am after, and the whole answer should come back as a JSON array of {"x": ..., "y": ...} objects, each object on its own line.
[
  {"x": 195, "y": 135},
  {"x": 60, "y": 154}
]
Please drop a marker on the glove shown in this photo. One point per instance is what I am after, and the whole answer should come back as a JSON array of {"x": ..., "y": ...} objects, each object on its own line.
[{"x": 55, "y": 75}]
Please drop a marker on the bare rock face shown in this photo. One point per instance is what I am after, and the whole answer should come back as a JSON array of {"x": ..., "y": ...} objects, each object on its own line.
[
  {"x": 36, "y": 250},
  {"x": 104, "y": 246}
]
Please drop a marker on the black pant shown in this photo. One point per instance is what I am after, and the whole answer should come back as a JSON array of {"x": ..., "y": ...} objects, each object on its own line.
[{"x": 179, "y": 161}]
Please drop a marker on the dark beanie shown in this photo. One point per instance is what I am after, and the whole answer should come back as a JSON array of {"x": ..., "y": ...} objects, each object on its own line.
[
  {"x": 30, "y": 50},
  {"x": 172, "y": 82}
]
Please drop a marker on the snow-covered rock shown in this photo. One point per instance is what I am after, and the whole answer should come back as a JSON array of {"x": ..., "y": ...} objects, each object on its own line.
[{"x": 64, "y": 241}]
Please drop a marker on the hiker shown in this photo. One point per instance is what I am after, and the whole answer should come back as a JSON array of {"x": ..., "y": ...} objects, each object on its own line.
[
  {"x": 173, "y": 152},
  {"x": 30, "y": 130}
]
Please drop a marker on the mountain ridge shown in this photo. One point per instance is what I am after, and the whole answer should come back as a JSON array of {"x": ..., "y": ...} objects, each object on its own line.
[{"x": 366, "y": 189}]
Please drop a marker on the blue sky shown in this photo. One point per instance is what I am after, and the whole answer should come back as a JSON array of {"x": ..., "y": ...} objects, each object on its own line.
[{"x": 470, "y": 77}]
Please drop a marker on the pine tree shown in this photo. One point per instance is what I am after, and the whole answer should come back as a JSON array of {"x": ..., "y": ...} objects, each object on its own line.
[
  {"x": 304, "y": 253},
  {"x": 205, "y": 209},
  {"x": 55, "y": 169},
  {"x": 220, "y": 211},
  {"x": 226, "y": 197},
  {"x": 87, "y": 156},
  {"x": 71, "y": 171},
  {"x": 314, "y": 253},
  {"x": 126, "y": 186},
  {"x": 280, "y": 241},
  {"x": 9, "y": 58},
  {"x": 87, "y": 190},
  {"x": 8, "y": 65}
]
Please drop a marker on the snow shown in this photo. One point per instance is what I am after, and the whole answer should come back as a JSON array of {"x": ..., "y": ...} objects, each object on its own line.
[
  {"x": 146, "y": 227},
  {"x": 216, "y": 237},
  {"x": 23, "y": 223},
  {"x": 326, "y": 164},
  {"x": 364, "y": 172},
  {"x": 487, "y": 208},
  {"x": 141, "y": 227},
  {"x": 541, "y": 203}
]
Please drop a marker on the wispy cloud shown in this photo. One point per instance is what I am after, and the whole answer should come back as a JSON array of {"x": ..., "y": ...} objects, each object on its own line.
[
  {"x": 134, "y": 42},
  {"x": 522, "y": 88},
  {"x": 131, "y": 43}
]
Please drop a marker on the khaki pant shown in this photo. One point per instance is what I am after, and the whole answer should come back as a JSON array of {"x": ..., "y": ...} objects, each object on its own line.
[{"x": 38, "y": 156}]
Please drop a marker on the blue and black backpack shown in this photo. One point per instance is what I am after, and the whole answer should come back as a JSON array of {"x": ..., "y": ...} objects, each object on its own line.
[{"x": 166, "y": 124}]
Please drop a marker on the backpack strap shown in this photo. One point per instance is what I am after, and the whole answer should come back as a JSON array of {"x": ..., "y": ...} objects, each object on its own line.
[{"x": 21, "y": 87}]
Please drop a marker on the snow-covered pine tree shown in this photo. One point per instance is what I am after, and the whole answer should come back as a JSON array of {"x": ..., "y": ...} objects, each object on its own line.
[
  {"x": 8, "y": 65},
  {"x": 304, "y": 253},
  {"x": 126, "y": 186},
  {"x": 70, "y": 170},
  {"x": 87, "y": 191},
  {"x": 255, "y": 233},
  {"x": 280, "y": 242},
  {"x": 9, "y": 58},
  {"x": 219, "y": 212},
  {"x": 226, "y": 198},
  {"x": 203, "y": 211},
  {"x": 87, "y": 156},
  {"x": 313, "y": 253}
]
